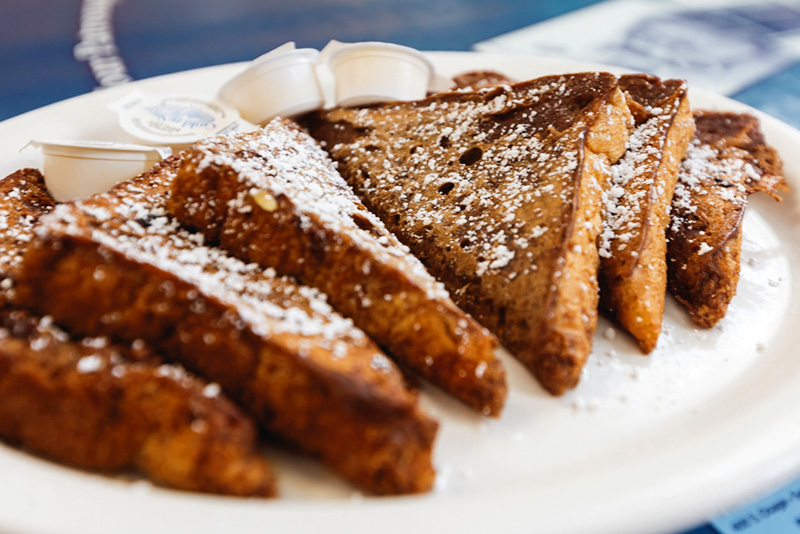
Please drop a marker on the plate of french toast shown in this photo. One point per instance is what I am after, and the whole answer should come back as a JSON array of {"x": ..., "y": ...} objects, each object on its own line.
[{"x": 548, "y": 297}]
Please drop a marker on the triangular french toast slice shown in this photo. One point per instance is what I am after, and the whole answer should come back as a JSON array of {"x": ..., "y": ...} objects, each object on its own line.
[
  {"x": 727, "y": 161},
  {"x": 110, "y": 407},
  {"x": 633, "y": 249},
  {"x": 498, "y": 192},
  {"x": 274, "y": 197},
  {"x": 118, "y": 265}
]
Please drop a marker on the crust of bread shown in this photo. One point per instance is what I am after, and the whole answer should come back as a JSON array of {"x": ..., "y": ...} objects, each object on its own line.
[
  {"x": 24, "y": 199},
  {"x": 727, "y": 161},
  {"x": 480, "y": 79},
  {"x": 633, "y": 270}
]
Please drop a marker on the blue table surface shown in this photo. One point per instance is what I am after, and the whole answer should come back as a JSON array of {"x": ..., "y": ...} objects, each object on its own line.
[{"x": 153, "y": 37}]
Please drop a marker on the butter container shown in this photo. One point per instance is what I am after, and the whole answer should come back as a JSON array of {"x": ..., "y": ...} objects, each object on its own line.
[
  {"x": 370, "y": 72},
  {"x": 78, "y": 169},
  {"x": 282, "y": 82},
  {"x": 176, "y": 121}
]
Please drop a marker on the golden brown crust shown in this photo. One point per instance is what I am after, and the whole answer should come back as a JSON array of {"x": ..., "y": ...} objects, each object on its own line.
[
  {"x": 498, "y": 192},
  {"x": 738, "y": 135},
  {"x": 90, "y": 405},
  {"x": 24, "y": 199},
  {"x": 633, "y": 271},
  {"x": 273, "y": 197},
  {"x": 726, "y": 162},
  {"x": 110, "y": 407},
  {"x": 304, "y": 373},
  {"x": 480, "y": 79}
]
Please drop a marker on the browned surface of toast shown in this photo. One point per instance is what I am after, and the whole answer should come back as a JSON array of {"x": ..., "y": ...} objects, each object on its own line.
[
  {"x": 633, "y": 270},
  {"x": 23, "y": 199},
  {"x": 108, "y": 407},
  {"x": 480, "y": 79},
  {"x": 274, "y": 197},
  {"x": 498, "y": 193},
  {"x": 89, "y": 405},
  {"x": 277, "y": 348},
  {"x": 727, "y": 160}
]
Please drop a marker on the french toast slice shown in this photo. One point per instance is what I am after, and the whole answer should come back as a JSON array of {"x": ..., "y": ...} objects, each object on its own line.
[
  {"x": 727, "y": 161},
  {"x": 306, "y": 374},
  {"x": 23, "y": 199},
  {"x": 633, "y": 249},
  {"x": 91, "y": 404},
  {"x": 275, "y": 198},
  {"x": 498, "y": 192}
]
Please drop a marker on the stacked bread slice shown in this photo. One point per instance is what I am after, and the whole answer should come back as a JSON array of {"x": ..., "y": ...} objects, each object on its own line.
[
  {"x": 633, "y": 249},
  {"x": 110, "y": 406},
  {"x": 305, "y": 373},
  {"x": 520, "y": 203},
  {"x": 499, "y": 192},
  {"x": 275, "y": 198},
  {"x": 727, "y": 160}
]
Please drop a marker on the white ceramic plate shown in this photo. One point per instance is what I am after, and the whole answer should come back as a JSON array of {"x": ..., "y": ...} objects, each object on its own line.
[{"x": 643, "y": 444}]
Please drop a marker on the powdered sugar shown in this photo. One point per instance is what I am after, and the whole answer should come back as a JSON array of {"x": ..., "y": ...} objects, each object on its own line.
[
  {"x": 633, "y": 186},
  {"x": 705, "y": 174},
  {"x": 145, "y": 233},
  {"x": 484, "y": 182},
  {"x": 25, "y": 200},
  {"x": 89, "y": 364},
  {"x": 281, "y": 161}
]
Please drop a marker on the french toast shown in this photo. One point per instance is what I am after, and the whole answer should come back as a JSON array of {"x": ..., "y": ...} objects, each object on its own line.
[
  {"x": 91, "y": 404},
  {"x": 480, "y": 79},
  {"x": 727, "y": 160},
  {"x": 633, "y": 270},
  {"x": 23, "y": 199},
  {"x": 498, "y": 192},
  {"x": 274, "y": 197},
  {"x": 306, "y": 374}
]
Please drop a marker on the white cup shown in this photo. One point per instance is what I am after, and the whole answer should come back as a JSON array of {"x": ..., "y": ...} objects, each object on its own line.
[
  {"x": 282, "y": 82},
  {"x": 78, "y": 169},
  {"x": 371, "y": 72}
]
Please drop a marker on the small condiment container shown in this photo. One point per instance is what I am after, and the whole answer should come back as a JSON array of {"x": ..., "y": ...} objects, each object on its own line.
[
  {"x": 282, "y": 82},
  {"x": 78, "y": 169},
  {"x": 176, "y": 121},
  {"x": 371, "y": 72}
]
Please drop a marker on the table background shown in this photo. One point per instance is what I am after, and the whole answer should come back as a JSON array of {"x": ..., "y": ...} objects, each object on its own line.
[
  {"x": 155, "y": 37},
  {"x": 135, "y": 39}
]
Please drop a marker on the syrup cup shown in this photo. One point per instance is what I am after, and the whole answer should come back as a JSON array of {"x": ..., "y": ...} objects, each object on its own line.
[
  {"x": 78, "y": 169},
  {"x": 282, "y": 82},
  {"x": 371, "y": 72}
]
